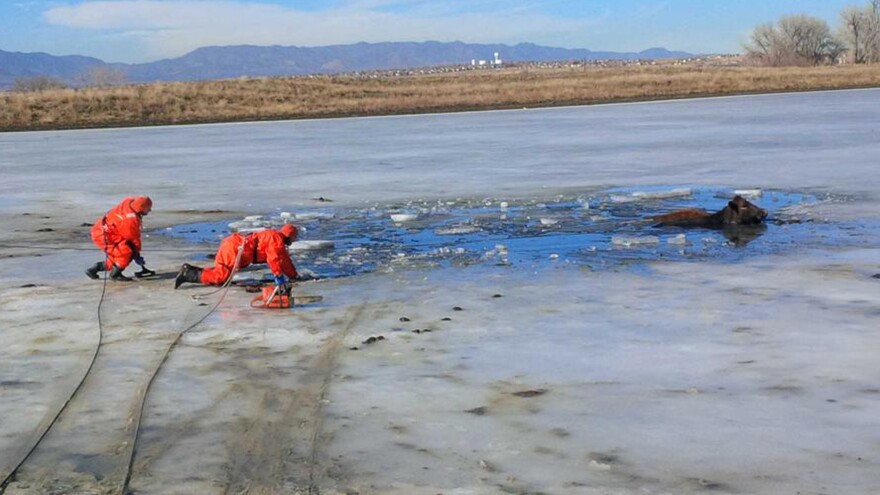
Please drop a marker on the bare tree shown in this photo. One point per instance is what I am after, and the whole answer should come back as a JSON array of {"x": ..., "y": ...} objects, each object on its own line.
[
  {"x": 102, "y": 77},
  {"x": 764, "y": 45},
  {"x": 794, "y": 40},
  {"x": 872, "y": 34},
  {"x": 860, "y": 29},
  {"x": 36, "y": 84},
  {"x": 853, "y": 31}
]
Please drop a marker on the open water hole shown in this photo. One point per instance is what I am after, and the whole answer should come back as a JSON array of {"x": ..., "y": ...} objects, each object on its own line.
[{"x": 606, "y": 229}]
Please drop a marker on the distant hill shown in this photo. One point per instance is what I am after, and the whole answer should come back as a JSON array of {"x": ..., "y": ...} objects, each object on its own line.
[
  {"x": 221, "y": 62},
  {"x": 14, "y": 65}
]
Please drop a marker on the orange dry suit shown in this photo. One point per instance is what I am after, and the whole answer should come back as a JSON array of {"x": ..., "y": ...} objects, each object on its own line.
[
  {"x": 118, "y": 233},
  {"x": 266, "y": 246}
]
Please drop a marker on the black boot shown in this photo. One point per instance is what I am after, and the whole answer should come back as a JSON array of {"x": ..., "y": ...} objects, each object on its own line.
[
  {"x": 92, "y": 271},
  {"x": 188, "y": 273},
  {"x": 116, "y": 274}
]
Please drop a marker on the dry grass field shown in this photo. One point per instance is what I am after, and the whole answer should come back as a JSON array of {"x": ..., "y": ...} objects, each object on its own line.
[{"x": 337, "y": 96}]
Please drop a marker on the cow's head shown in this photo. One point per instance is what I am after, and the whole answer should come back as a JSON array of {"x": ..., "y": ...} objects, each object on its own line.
[{"x": 740, "y": 212}]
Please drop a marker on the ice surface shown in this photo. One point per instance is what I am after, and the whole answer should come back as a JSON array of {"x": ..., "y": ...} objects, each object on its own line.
[{"x": 742, "y": 366}]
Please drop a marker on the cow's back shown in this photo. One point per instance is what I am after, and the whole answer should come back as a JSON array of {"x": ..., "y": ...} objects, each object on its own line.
[{"x": 689, "y": 216}]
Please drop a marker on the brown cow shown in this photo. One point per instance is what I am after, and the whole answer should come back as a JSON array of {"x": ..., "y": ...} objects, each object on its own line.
[{"x": 737, "y": 212}]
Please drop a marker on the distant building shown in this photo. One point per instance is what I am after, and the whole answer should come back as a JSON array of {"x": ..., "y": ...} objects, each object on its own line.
[{"x": 497, "y": 62}]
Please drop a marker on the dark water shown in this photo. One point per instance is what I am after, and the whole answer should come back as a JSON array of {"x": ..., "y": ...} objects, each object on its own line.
[{"x": 586, "y": 230}]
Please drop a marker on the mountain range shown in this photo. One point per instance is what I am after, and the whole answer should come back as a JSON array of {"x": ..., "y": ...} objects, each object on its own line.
[{"x": 223, "y": 62}]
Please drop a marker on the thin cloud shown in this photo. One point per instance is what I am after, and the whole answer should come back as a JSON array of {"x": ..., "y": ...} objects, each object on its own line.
[
  {"x": 652, "y": 9},
  {"x": 170, "y": 28}
]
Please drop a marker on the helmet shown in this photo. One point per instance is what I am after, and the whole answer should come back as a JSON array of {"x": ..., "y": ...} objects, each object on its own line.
[
  {"x": 142, "y": 204},
  {"x": 288, "y": 231}
]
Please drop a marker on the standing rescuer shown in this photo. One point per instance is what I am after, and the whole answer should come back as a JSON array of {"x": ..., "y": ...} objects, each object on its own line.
[
  {"x": 266, "y": 246},
  {"x": 118, "y": 234}
]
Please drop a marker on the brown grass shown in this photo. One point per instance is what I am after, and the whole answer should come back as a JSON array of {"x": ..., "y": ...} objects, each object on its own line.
[{"x": 337, "y": 96}]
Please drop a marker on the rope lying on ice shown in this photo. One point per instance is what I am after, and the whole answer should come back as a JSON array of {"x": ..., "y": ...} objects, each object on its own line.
[
  {"x": 140, "y": 413},
  {"x": 137, "y": 420},
  {"x": 9, "y": 477}
]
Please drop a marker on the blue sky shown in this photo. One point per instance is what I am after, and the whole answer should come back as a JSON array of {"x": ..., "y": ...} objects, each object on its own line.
[{"x": 146, "y": 30}]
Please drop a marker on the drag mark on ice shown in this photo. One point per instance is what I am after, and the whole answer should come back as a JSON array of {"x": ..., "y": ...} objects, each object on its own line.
[{"x": 278, "y": 451}]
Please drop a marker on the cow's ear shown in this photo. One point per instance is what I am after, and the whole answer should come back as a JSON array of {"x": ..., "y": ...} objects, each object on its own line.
[{"x": 733, "y": 206}]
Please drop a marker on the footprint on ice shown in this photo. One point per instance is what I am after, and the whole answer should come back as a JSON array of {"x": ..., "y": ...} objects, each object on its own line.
[
  {"x": 478, "y": 411},
  {"x": 531, "y": 393},
  {"x": 602, "y": 461}
]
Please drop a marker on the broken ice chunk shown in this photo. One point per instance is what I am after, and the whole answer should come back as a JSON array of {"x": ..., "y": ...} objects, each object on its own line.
[
  {"x": 628, "y": 241},
  {"x": 751, "y": 193},
  {"x": 457, "y": 230},
  {"x": 616, "y": 198},
  {"x": 680, "y": 239},
  {"x": 314, "y": 215},
  {"x": 403, "y": 217},
  {"x": 672, "y": 193},
  {"x": 237, "y": 225},
  {"x": 311, "y": 245}
]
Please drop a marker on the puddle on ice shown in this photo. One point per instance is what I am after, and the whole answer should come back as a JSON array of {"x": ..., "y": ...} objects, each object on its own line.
[{"x": 605, "y": 229}]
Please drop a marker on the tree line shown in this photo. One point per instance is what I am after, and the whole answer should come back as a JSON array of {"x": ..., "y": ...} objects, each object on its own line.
[
  {"x": 96, "y": 77},
  {"x": 803, "y": 40}
]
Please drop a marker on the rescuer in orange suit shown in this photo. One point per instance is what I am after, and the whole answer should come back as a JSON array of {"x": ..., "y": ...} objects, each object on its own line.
[
  {"x": 266, "y": 246},
  {"x": 118, "y": 234}
]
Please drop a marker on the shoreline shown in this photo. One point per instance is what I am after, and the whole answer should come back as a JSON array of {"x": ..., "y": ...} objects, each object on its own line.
[
  {"x": 339, "y": 97},
  {"x": 440, "y": 111}
]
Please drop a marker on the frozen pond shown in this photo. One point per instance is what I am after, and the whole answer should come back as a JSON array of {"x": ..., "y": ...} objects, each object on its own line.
[{"x": 538, "y": 333}]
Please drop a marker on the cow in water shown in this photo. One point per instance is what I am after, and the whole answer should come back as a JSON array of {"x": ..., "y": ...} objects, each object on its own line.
[
  {"x": 737, "y": 212},
  {"x": 740, "y": 221}
]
